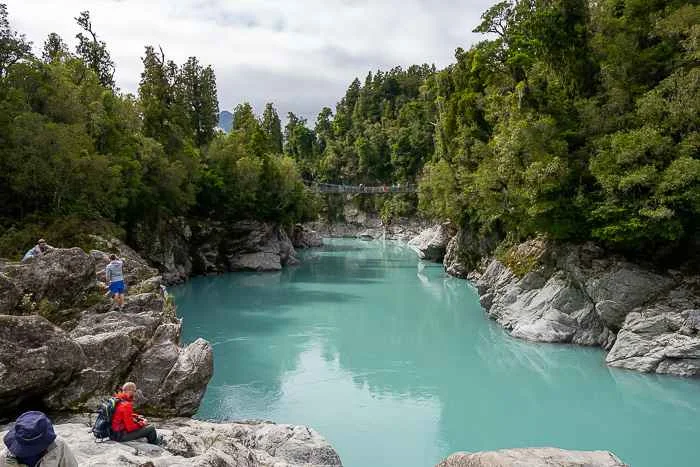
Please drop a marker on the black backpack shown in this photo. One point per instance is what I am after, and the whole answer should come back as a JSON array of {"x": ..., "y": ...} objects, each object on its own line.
[{"x": 102, "y": 429}]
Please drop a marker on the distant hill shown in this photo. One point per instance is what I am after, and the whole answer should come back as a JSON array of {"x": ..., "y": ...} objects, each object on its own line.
[{"x": 225, "y": 120}]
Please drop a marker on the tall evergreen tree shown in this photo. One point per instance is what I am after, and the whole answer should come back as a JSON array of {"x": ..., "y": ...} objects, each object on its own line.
[
  {"x": 13, "y": 46},
  {"x": 54, "y": 48},
  {"x": 272, "y": 127},
  {"x": 196, "y": 91},
  {"x": 93, "y": 51}
]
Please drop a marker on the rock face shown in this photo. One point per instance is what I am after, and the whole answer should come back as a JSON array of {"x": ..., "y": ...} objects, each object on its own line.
[
  {"x": 465, "y": 250},
  {"x": 662, "y": 336},
  {"x": 166, "y": 244},
  {"x": 533, "y": 457},
  {"x": 242, "y": 246},
  {"x": 304, "y": 237},
  {"x": 189, "y": 442},
  {"x": 59, "y": 278},
  {"x": 358, "y": 224},
  {"x": 431, "y": 244},
  {"x": 69, "y": 351},
  {"x": 36, "y": 357},
  {"x": 578, "y": 294}
]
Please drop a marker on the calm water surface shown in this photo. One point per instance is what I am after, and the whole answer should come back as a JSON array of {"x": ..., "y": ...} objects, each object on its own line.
[{"x": 396, "y": 364}]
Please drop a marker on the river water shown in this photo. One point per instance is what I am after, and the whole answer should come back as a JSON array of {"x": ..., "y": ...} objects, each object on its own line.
[{"x": 396, "y": 364}]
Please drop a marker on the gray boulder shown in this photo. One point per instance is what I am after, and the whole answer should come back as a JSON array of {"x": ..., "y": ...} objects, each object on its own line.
[
  {"x": 36, "y": 357},
  {"x": 662, "y": 337},
  {"x": 60, "y": 277},
  {"x": 141, "y": 344},
  {"x": 533, "y": 457},
  {"x": 189, "y": 442},
  {"x": 10, "y": 294},
  {"x": 257, "y": 246},
  {"x": 577, "y": 294},
  {"x": 466, "y": 249},
  {"x": 304, "y": 237},
  {"x": 431, "y": 243},
  {"x": 166, "y": 244},
  {"x": 241, "y": 246}
]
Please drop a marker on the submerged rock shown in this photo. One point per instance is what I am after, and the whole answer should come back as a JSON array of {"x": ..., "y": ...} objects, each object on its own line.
[
  {"x": 533, "y": 457},
  {"x": 431, "y": 243},
  {"x": 577, "y": 294},
  {"x": 189, "y": 442}
]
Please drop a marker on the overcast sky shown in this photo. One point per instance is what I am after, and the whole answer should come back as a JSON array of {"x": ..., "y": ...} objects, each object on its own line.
[{"x": 299, "y": 54}]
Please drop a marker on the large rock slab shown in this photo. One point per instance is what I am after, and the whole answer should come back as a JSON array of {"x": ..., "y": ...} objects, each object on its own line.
[
  {"x": 662, "y": 337},
  {"x": 467, "y": 248},
  {"x": 578, "y": 294},
  {"x": 304, "y": 237},
  {"x": 10, "y": 295},
  {"x": 533, "y": 457},
  {"x": 258, "y": 246},
  {"x": 60, "y": 278},
  {"x": 166, "y": 243},
  {"x": 241, "y": 246},
  {"x": 431, "y": 243},
  {"x": 189, "y": 442},
  {"x": 36, "y": 357}
]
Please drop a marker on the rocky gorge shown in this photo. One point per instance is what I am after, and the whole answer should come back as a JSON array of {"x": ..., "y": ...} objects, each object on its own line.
[
  {"x": 544, "y": 291},
  {"x": 63, "y": 348}
]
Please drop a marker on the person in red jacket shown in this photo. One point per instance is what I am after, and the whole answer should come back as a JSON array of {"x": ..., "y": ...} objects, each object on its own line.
[{"x": 127, "y": 425}]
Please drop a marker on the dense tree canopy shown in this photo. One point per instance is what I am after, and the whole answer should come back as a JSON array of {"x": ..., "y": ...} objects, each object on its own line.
[
  {"x": 73, "y": 146},
  {"x": 574, "y": 119}
]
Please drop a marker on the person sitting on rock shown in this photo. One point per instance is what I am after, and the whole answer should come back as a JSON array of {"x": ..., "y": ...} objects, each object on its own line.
[
  {"x": 127, "y": 425},
  {"x": 41, "y": 248},
  {"x": 32, "y": 442},
  {"x": 114, "y": 273}
]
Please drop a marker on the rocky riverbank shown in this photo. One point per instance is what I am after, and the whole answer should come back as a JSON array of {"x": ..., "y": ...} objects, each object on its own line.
[
  {"x": 358, "y": 224},
  {"x": 63, "y": 346},
  {"x": 182, "y": 248},
  {"x": 545, "y": 291},
  {"x": 188, "y": 442}
]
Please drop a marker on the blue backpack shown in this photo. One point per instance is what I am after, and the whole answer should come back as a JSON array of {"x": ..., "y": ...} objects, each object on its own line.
[{"x": 102, "y": 429}]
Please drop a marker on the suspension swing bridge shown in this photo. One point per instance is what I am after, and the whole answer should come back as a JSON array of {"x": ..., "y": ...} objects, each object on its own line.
[{"x": 362, "y": 189}]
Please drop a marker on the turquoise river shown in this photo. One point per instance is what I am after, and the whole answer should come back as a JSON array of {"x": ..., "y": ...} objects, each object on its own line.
[{"x": 396, "y": 364}]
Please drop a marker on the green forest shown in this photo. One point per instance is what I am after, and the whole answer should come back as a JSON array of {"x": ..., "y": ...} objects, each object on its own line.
[{"x": 572, "y": 119}]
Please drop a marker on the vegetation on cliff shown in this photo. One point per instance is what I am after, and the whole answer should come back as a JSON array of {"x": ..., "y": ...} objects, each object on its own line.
[
  {"x": 573, "y": 119},
  {"x": 74, "y": 148}
]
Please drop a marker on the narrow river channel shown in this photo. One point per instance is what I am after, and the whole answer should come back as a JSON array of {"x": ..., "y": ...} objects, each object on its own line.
[{"x": 396, "y": 364}]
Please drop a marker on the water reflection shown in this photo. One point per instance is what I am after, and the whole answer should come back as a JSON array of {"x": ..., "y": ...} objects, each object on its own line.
[{"x": 386, "y": 354}]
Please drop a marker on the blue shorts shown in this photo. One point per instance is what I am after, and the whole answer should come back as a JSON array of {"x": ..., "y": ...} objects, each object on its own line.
[{"x": 116, "y": 287}]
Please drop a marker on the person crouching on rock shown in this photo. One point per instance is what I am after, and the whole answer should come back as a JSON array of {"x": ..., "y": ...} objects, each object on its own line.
[
  {"x": 40, "y": 249},
  {"x": 33, "y": 443},
  {"x": 114, "y": 273},
  {"x": 127, "y": 425}
]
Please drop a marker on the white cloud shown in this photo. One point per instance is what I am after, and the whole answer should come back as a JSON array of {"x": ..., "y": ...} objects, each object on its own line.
[{"x": 300, "y": 54}]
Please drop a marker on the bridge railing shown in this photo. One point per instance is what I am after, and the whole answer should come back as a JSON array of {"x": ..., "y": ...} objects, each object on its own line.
[{"x": 333, "y": 188}]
